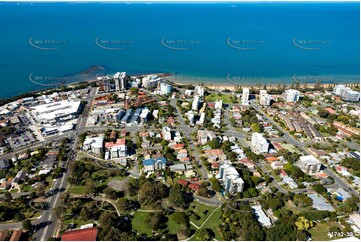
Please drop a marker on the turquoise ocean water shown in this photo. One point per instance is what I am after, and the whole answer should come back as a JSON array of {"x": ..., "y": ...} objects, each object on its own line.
[{"x": 238, "y": 43}]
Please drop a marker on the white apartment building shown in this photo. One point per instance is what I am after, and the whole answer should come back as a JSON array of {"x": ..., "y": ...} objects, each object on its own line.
[
  {"x": 218, "y": 104},
  {"x": 120, "y": 81},
  {"x": 245, "y": 95},
  {"x": 230, "y": 178},
  {"x": 166, "y": 133},
  {"x": 309, "y": 164},
  {"x": 291, "y": 95},
  {"x": 346, "y": 93},
  {"x": 195, "y": 103},
  {"x": 165, "y": 88},
  {"x": 259, "y": 144},
  {"x": 265, "y": 99},
  {"x": 94, "y": 144},
  {"x": 151, "y": 81},
  {"x": 199, "y": 91}
]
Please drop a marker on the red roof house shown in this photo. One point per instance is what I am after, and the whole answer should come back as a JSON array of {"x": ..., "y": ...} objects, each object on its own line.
[
  {"x": 16, "y": 235},
  {"x": 119, "y": 142},
  {"x": 194, "y": 187},
  {"x": 183, "y": 182},
  {"x": 89, "y": 234}
]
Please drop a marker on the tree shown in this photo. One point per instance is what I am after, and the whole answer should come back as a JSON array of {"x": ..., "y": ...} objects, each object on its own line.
[
  {"x": 256, "y": 127},
  {"x": 151, "y": 193},
  {"x": 131, "y": 187},
  {"x": 214, "y": 144},
  {"x": 133, "y": 90},
  {"x": 7, "y": 196},
  {"x": 302, "y": 200},
  {"x": 302, "y": 235},
  {"x": 319, "y": 188},
  {"x": 216, "y": 185},
  {"x": 90, "y": 188},
  {"x": 156, "y": 221},
  {"x": 110, "y": 193},
  {"x": 205, "y": 234},
  {"x": 303, "y": 224},
  {"x": 26, "y": 224},
  {"x": 177, "y": 197},
  {"x": 125, "y": 204},
  {"x": 19, "y": 217},
  {"x": 203, "y": 192},
  {"x": 180, "y": 218}
]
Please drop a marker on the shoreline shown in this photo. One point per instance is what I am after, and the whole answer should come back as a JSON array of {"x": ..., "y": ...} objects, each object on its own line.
[
  {"x": 214, "y": 84},
  {"x": 252, "y": 82}
]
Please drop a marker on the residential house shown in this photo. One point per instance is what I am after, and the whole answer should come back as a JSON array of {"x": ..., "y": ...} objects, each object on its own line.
[{"x": 151, "y": 165}]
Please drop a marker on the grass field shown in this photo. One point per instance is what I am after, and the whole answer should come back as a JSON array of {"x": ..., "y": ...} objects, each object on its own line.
[
  {"x": 319, "y": 232},
  {"x": 290, "y": 207},
  {"x": 289, "y": 147},
  {"x": 140, "y": 224},
  {"x": 199, "y": 209},
  {"x": 213, "y": 223},
  {"x": 76, "y": 189},
  {"x": 226, "y": 98},
  {"x": 172, "y": 226}
]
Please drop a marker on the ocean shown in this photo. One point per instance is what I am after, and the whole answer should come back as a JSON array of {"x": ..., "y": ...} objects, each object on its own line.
[{"x": 44, "y": 44}]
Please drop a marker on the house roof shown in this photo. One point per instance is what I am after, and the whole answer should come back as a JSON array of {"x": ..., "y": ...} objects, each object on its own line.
[
  {"x": 119, "y": 142},
  {"x": 16, "y": 235},
  {"x": 148, "y": 162},
  {"x": 271, "y": 159},
  {"x": 162, "y": 160},
  {"x": 183, "y": 182},
  {"x": 89, "y": 234},
  {"x": 214, "y": 152},
  {"x": 194, "y": 187},
  {"x": 151, "y": 161},
  {"x": 3, "y": 235},
  {"x": 178, "y": 146},
  {"x": 4, "y": 164}
]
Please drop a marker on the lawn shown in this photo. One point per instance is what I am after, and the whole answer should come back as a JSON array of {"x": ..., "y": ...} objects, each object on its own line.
[
  {"x": 26, "y": 187},
  {"x": 140, "y": 224},
  {"x": 199, "y": 209},
  {"x": 319, "y": 232},
  {"x": 76, "y": 189},
  {"x": 118, "y": 178},
  {"x": 213, "y": 223},
  {"x": 172, "y": 226},
  {"x": 291, "y": 207},
  {"x": 289, "y": 147},
  {"x": 76, "y": 221},
  {"x": 226, "y": 98}
]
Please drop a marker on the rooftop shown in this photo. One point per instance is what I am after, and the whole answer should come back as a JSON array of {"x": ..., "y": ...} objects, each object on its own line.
[{"x": 89, "y": 234}]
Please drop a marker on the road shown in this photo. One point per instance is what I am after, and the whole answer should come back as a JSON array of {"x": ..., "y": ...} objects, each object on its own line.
[
  {"x": 291, "y": 140},
  {"x": 48, "y": 220},
  {"x": 10, "y": 155},
  {"x": 188, "y": 130},
  {"x": 8, "y": 226}
]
